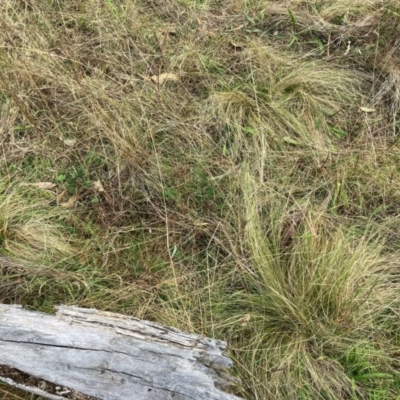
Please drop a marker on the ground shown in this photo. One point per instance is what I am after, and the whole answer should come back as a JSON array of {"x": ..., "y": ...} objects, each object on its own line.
[{"x": 228, "y": 168}]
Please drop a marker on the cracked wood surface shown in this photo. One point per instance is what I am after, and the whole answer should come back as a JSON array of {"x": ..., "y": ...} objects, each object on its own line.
[{"x": 111, "y": 356}]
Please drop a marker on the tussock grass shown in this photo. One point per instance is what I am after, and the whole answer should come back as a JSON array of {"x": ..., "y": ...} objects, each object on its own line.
[
  {"x": 234, "y": 172},
  {"x": 37, "y": 248},
  {"x": 30, "y": 230},
  {"x": 305, "y": 293},
  {"x": 362, "y": 33},
  {"x": 285, "y": 100}
]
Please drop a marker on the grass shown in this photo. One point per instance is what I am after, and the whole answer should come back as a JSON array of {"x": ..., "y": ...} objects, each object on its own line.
[{"x": 228, "y": 169}]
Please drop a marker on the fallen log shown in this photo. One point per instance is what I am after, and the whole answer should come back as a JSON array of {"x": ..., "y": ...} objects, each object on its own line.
[{"x": 87, "y": 354}]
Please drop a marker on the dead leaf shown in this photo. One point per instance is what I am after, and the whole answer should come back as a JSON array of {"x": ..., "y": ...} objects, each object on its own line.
[
  {"x": 98, "y": 186},
  {"x": 41, "y": 185},
  {"x": 237, "y": 28},
  {"x": 169, "y": 29},
  {"x": 289, "y": 140},
  {"x": 291, "y": 224},
  {"x": 172, "y": 281},
  {"x": 166, "y": 76},
  {"x": 367, "y": 110},
  {"x": 238, "y": 45},
  {"x": 142, "y": 283},
  {"x": 244, "y": 320},
  {"x": 44, "y": 185},
  {"x": 71, "y": 202},
  {"x": 70, "y": 142},
  {"x": 60, "y": 196},
  {"x": 164, "y": 32}
]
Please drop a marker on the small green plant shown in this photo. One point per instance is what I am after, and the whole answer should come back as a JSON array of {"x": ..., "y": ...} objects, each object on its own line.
[
  {"x": 292, "y": 19},
  {"x": 338, "y": 132},
  {"x": 74, "y": 180},
  {"x": 339, "y": 20}
]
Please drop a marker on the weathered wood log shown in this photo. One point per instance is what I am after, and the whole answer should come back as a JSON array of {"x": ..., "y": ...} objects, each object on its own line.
[{"x": 85, "y": 354}]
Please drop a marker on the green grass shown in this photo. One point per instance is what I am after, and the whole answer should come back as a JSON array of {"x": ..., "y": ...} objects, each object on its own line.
[{"x": 230, "y": 169}]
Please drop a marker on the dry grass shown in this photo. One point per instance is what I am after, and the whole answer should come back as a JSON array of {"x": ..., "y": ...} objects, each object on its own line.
[{"x": 229, "y": 169}]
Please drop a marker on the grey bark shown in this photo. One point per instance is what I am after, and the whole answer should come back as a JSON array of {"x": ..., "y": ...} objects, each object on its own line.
[{"x": 110, "y": 356}]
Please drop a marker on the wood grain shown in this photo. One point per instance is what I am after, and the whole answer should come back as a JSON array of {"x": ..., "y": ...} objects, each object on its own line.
[{"x": 113, "y": 357}]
